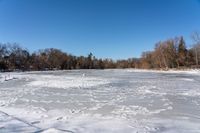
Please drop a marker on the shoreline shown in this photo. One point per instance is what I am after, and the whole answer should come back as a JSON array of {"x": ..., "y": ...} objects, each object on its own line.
[{"x": 135, "y": 69}]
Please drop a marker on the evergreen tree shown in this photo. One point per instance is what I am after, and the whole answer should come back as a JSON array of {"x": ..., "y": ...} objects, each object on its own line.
[{"x": 182, "y": 52}]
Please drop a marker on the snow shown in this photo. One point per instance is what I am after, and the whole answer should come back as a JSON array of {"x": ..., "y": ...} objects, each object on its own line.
[
  {"x": 66, "y": 82},
  {"x": 102, "y": 101}
]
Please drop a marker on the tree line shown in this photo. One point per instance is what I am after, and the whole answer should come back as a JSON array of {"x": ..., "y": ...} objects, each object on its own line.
[
  {"x": 15, "y": 58},
  {"x": 173, "y": 54},
  {"x": 168, "y": 54}
]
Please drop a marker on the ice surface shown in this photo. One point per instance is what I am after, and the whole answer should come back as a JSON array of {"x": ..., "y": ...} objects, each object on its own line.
[{"x": 88, "y": 101}]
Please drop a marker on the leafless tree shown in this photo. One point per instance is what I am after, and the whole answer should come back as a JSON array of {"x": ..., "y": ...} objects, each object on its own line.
[{"x": 196, "y": 46}]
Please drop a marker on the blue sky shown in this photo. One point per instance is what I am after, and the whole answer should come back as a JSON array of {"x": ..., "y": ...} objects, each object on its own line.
[{"x": 108, "y": 28}]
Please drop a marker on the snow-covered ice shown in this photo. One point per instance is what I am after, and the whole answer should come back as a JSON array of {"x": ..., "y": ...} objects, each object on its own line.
[{"x": 102, "y": 101}]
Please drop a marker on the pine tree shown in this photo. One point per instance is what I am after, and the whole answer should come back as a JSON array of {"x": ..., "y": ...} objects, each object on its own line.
[{"x": 182, "y": 52}]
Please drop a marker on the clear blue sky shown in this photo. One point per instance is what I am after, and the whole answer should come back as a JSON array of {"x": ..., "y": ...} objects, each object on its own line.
[{"x": 107, "y": 28}]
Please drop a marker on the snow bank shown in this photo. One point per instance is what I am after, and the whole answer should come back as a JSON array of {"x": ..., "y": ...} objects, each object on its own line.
[{"x": 8, "y": 76}]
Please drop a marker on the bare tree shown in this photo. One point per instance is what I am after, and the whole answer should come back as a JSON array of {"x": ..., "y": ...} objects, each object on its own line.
[{"x": 196, "y": 46}]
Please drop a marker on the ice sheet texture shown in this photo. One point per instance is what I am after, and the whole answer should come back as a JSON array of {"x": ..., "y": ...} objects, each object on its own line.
[{"x": 100, "y": 101}]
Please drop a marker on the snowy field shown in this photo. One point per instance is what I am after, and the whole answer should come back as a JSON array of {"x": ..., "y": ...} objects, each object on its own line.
[{"x": 100, "y": 101}]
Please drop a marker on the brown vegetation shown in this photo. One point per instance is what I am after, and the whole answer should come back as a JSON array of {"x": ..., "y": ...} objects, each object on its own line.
[{"x": 169, "y": 54}]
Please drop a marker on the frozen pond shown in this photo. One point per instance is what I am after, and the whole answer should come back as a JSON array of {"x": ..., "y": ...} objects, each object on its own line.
[{"x": 88, "y": 101}]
